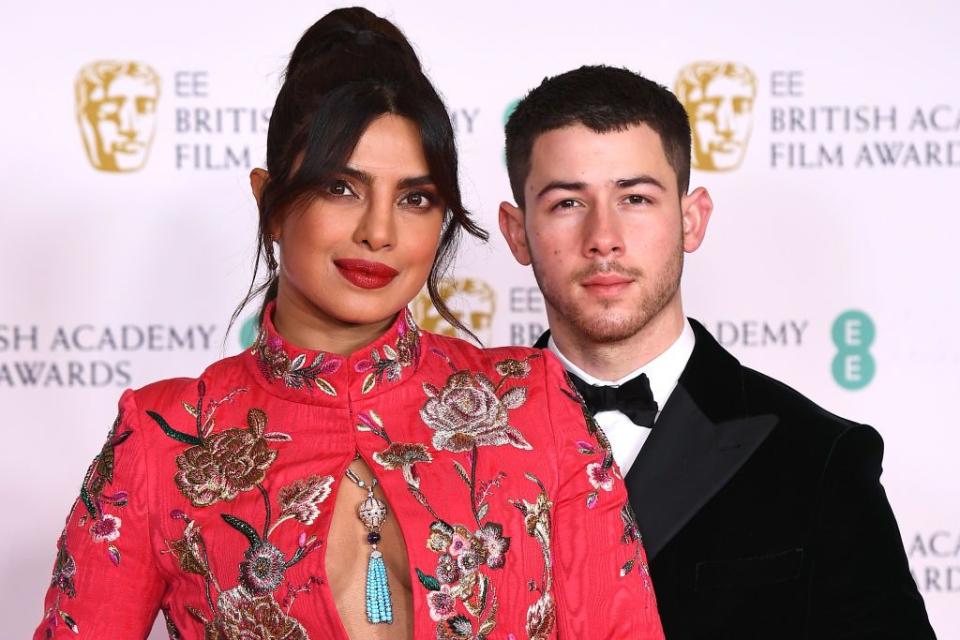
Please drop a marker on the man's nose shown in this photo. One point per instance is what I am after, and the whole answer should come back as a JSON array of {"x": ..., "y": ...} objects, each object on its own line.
[{"x": 603, "y": 232}]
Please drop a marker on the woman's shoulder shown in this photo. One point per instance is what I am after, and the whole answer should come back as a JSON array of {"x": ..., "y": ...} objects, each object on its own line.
[
  {"x": 227, "y": 373},
  {"x": 467, "y": 355}
]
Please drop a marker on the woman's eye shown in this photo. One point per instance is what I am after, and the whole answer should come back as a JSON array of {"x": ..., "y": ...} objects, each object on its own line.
[
  {"x": 417, "y": 200},
  {"x": 339, "y": 188}
]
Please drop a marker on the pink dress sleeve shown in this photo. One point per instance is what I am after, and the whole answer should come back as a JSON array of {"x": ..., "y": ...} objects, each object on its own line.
[
  {"x": 105, "y": 580},
  {"x": 601, "y": 580}
]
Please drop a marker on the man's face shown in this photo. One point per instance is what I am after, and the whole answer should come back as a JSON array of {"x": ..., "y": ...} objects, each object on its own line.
[
  {"x": 122, "y": 117},
  {"x": 722, "y": 117},
  {"x": 604, "y": 230}
]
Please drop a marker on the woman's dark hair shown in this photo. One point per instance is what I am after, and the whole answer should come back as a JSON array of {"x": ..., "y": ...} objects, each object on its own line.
[{"x": 348, "y": 69}]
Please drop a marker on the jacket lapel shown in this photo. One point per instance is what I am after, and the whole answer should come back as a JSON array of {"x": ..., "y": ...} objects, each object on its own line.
[
  {"x": 703, "y": 436},
  {"x": 542, "y": 341}
]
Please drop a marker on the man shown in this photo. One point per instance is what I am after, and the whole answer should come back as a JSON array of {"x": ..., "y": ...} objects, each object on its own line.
[{"x": 762, "y": 514}]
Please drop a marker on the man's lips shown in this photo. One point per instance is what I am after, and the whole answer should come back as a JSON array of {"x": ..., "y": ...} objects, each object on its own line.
[
  {"x": 606, "y": 284},
  {"x": 365, "y": 274}
]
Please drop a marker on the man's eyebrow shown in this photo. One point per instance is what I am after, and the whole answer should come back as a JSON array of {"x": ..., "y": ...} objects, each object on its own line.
[
  {"x": 562, "y": 185},
  {"x": 626, "y": 183}
]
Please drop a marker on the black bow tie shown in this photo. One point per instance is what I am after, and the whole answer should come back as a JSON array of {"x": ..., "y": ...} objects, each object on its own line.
[{"x": 633, "y": 398}]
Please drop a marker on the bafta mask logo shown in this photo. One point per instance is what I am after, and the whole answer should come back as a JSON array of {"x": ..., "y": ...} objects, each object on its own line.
[
  {"x": 719, "y": 99},
  {"x": 472, "y": 302},
  {"x": 116, "y": 104}
]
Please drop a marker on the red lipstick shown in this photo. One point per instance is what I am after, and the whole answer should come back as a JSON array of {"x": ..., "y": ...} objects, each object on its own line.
[{"x": 365, "y": 274}]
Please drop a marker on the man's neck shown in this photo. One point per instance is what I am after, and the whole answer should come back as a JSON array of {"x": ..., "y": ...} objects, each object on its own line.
[{"x": 614, "y": 360}]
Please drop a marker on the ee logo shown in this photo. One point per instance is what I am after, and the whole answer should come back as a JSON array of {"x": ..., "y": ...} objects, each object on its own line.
[
  {"x": 853, "y": 366},
  {"x": 249, "y": 330}
]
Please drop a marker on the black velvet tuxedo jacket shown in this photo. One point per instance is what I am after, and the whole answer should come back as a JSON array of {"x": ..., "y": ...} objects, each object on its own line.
[{"x": 763, "y": 515}]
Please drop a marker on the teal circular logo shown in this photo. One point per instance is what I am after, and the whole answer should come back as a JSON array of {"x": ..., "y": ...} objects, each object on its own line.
[
  {"x": 509, "y": 111},
  {"x": 248, "y": 332},
  {"x": 853, "y": 334}
]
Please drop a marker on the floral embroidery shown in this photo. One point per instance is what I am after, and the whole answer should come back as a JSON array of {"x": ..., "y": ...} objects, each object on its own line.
[
  {"x": 390, "y": 365},
  {"x": 398, "y": 455},
  {"x": 468, "y": 413},
  {"x": 542, "y": 614},
  {"x": 244, "y": 617},
  {"x": 602, "y": 475},
  {"x": 631, "y": 535},
  {"x": 104, "y": 527},
  {"x": 219, "y": 466},
  {"x": 275, "y": 364},
  {"x": 300, "y": 499}
]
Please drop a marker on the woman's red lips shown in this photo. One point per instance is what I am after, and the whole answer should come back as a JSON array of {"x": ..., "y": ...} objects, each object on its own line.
[{"x": 366, "y": 274}]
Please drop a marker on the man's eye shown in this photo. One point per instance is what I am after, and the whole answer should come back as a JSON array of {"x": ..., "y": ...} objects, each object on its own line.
[
  {"x": 636, "y": 199},
  {"x": 569, "y": 203}
]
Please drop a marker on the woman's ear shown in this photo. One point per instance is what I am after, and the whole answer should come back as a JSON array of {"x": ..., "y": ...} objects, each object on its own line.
[{"x": 258, "y": 180}]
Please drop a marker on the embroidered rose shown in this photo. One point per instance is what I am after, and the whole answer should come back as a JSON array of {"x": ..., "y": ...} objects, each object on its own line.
[
  {"x": 226, "y": 463},
  {"x": 106, "y": 528},
  {"x": 443, "y": 605},
  {"x": 241, "y": 616},
  {"x": 467, "y": 412},
  {"x": 600, "y": 476},
  {"x": 300, "y": 499},
  {"x": 262, "y": 569},
  {"x": 495, "y": 545}
]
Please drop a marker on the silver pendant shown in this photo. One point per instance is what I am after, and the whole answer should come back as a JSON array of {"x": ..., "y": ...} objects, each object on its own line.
[{"x": 372, "y": 512}]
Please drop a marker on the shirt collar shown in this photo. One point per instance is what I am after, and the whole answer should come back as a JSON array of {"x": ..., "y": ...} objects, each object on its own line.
[
  {"x": 663, "y": 371},
  {"x": 319, "y": 377}
]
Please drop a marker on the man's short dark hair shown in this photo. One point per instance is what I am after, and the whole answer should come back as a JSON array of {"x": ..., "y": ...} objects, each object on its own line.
[{"x": 603, "y": 99}]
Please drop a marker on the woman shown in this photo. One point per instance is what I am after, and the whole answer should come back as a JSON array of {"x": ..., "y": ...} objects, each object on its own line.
[{"x": 351, "y": 476}]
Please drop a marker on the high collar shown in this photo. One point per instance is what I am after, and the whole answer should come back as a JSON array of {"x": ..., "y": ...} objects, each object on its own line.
[{"x": 319, "y": 377}]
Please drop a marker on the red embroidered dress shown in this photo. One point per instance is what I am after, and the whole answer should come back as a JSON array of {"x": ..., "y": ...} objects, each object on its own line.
[{"x": 212, "y": 498}]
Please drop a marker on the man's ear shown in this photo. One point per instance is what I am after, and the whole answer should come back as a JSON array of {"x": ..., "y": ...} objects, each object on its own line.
[
  {"x": 695, "y": 210},
  {"x": 513, "y": 228}
]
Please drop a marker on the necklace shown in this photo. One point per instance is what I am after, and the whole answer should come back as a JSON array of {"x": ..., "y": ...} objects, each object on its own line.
[{"x": 372, "y": 513}]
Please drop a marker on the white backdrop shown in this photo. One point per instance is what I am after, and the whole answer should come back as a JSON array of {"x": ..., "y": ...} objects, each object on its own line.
[{"x": 115, "y": 279}]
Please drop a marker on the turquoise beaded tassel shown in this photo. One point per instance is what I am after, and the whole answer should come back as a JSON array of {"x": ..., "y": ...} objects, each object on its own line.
[
  {"x": 379, "y": 606},
  {"x": 372, "y": 513}
]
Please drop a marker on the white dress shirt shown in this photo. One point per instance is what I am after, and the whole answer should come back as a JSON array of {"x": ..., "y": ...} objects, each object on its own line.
[{"x": 627, "y": 438}]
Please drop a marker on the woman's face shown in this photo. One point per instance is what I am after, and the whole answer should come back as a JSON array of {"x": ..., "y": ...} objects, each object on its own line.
[{"x": 363, "y": 249}]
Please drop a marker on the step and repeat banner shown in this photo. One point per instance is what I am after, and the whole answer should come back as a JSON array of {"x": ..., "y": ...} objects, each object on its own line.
[{"x": 828, "y": 134}]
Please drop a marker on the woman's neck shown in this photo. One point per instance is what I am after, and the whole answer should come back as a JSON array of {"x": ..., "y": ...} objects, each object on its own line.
[{"x": 303, "y": 324}]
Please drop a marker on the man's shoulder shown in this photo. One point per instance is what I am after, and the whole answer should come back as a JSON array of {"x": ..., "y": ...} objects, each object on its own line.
[{"x": 800, "y": 418}]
